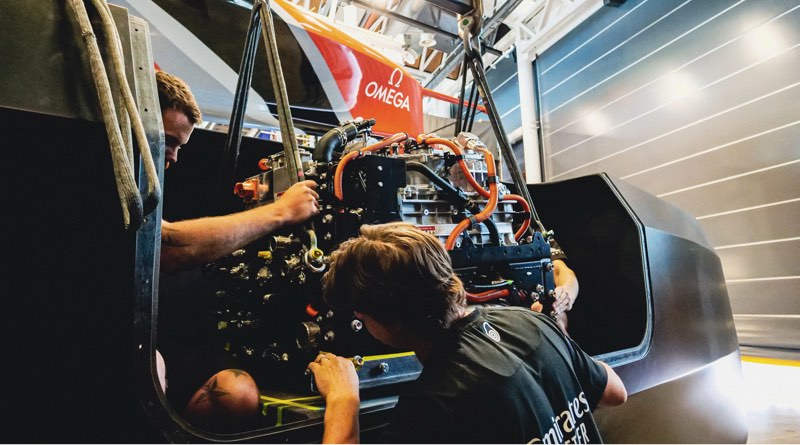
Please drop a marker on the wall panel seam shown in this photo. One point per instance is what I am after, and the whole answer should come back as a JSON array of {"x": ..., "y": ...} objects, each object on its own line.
[
  {"x": 712, "y": 149},
  {"x": 596, "y": 35},
  {"x": 784, "y": 316},
  {"x": 644, "y": 57},
  {"x": 675, "y": 70},
  {"x": 747, "y": 209},
  {"x": 512, "y": 76},
  {"x": 683, "y": 127},
  {"x": 757, "y": 243},
  {"x": 676, "y": 99},
  {"x": 509, "y": 112},
  {"x": 728, "y": 178},
  {"x": 751, "y": 280},
  {"x": 601, "y": 56}
]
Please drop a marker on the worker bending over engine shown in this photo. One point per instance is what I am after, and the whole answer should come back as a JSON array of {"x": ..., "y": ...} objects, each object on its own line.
[{"x": 491, "y": 374}]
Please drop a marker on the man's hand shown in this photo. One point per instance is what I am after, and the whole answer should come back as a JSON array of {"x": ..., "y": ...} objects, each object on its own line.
[
  {"x": 298, "y": 203},
  {"x": 337, "y": 382},
  {"x": 561, "y": 305},
  {"x": 563, "y": 301},
  {"x": 335, "y": 376}
]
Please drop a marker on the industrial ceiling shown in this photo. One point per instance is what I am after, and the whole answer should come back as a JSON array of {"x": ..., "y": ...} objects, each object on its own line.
[{"x": 423, "y": 35}]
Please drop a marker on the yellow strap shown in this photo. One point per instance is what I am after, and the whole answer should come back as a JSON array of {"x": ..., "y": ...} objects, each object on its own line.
[
  {"x": 387, "y": 356},
  {"x": 279, "y": 422},
  {"x": 771, "y": 361},
  {"x": 292, "y": 402}
]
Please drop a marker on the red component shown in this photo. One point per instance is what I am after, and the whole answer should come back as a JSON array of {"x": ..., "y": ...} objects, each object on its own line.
[
  {"x": 483, "y": 297},
  {"x": 264, "y": 164},
  {"x": 247, "y": 190},
  {"x": 449, "y": 99}
]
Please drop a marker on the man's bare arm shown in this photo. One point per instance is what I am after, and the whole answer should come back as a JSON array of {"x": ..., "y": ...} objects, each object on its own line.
[
  {"x": 566, "y": 286},
  {"x": 194, "y": 242},
  {"x": 337, "y": 382},
  {"x": 615, "y": 392}
]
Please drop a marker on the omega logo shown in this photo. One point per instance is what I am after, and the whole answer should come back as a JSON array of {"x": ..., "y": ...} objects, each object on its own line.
[
  {"x": 396, "y": 73},
  {"x": 388, "y": 94}
]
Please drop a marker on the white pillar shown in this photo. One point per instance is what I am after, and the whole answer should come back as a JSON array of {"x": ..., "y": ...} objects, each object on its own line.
[
  {"x": 332, "y": 9},
  {"x": 532, "y": 167}
]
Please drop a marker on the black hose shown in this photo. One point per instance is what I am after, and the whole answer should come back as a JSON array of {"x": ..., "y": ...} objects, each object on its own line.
[
  {"x": 338, "y": 138},
  {"x": 478, "y": 75},
  {"x": 459, "y": 122},
  {"x": 473, "y": 101},
  {"x": 233, "y": 140},
  {"x": 455, "y": 195}
]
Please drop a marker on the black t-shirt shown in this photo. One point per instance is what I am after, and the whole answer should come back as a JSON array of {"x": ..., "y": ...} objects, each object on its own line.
[
  {"x": 556, "y": 252},
  {"x": 502, "y": 375}
]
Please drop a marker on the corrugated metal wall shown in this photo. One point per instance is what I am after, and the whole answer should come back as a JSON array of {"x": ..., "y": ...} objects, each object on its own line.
[
  {"x": 697, "y": 102},
  {"x": 502, "y": 79}
]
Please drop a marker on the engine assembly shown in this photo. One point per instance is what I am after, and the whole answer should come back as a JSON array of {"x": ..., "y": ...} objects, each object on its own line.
[{"x": 271, "y": 311}]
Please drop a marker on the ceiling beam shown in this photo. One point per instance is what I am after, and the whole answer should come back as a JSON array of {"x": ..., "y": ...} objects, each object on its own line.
[
  {"x": 407, "y": 20},
  {"x": 455, "y": 57}
]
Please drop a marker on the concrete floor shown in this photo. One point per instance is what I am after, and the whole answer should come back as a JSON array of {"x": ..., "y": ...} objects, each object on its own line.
[{"x": 772, "y": 397}]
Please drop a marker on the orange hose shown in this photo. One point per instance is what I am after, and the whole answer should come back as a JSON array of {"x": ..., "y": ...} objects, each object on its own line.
[
  {"x": 487, "y": 211},
  {"x": 525, "y": 207},
  {"x": 483, "y": 297},
  {"x": 481, "y": 191},
  {"x": 337, "y": 178},
  {"x": 460, "y": 227},
  {"x": 452, "y": 100},
  {"x": 457, "y": 150}
]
